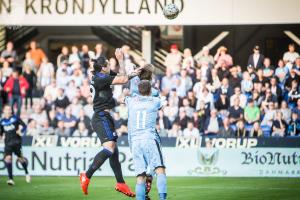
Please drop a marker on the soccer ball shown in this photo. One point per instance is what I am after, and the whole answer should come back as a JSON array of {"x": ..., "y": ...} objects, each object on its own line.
[{"x": 171, "y": 11}]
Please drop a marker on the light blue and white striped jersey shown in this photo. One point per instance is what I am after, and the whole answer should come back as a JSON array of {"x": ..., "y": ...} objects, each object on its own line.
[{"x": 142, "y": 115}]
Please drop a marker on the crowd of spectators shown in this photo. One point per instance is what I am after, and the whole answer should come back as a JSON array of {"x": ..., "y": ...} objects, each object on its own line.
[{"x": 207, "y": 95}]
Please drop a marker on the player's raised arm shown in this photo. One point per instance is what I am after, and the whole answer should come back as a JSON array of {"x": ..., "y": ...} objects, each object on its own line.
[{"x": 123, "y": 79}]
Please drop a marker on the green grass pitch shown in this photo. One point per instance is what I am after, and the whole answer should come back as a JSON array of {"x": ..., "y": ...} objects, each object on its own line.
[{"x": 62, "y": 188}]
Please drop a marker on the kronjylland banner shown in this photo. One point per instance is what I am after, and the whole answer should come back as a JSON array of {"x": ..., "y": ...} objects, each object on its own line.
[
  {"x": 247, "y": 162},
  {"x": 146, "y": 12}
]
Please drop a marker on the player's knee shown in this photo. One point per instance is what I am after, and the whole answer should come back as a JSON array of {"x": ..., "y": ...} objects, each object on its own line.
[
  {"x": 160, "y": 170},
  {"x": 141, "y": 178},
  {"x": 111, "y": 146},
  {"x": 21, "y": 159},
  {"x": 8, "y": 159}
]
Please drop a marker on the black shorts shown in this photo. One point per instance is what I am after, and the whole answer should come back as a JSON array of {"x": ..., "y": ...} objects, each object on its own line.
[
  {"x": 13, "y": 148},
  {"x": 103, "y": 125}
]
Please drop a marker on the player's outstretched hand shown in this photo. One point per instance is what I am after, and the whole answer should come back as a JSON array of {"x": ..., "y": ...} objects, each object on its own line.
[{"x": 119, "y": 54}]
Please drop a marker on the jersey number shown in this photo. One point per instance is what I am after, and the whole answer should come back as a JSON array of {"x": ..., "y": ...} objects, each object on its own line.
[
  {"x": 93, "y": 91},
  {"x": 141, "y": 119}
]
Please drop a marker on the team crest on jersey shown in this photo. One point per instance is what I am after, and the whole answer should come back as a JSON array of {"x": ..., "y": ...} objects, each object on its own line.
[{"x": 9, "y": 128}]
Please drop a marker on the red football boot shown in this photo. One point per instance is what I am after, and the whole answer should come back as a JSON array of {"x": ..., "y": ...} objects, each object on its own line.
[
  {"x": 84, "y": 182},
  {"x": 123, "y": 188}
]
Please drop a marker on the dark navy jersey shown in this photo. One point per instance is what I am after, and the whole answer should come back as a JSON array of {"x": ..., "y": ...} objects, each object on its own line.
[
  {"x": 102, "y": 92},
  {"x": 9, "y": 127}
]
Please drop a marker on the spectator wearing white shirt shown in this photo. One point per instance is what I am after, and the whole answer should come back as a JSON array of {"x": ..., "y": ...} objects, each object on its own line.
[
  {"x": 173, "y": 60},
  {"x": 175, "y": 131},
  {"x": 205, "y": 57},
  {"x": 168, "y": 82},
  {"x": 290, "y": 55},
  {"x": 241, "y": 96},
  {"x": 45, "y": 73},
  {"x": 88, "y": 108},
  {"x": 188, "y": 60},
  {"x": 190, "y": 130},
  {"x": 74, "y": 56},
  {"x": 207, "y": 97},
  {"x": 39, "y": 115},
  {"x": 51, "y": 90}
]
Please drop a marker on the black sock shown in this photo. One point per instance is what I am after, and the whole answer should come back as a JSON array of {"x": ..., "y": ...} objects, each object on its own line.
[
  {"x": 9, "y": 169},
  {"x": 99, "y": 159},
  {"x": 24, "y": 165},
  {"x": 116, "y": 166}
]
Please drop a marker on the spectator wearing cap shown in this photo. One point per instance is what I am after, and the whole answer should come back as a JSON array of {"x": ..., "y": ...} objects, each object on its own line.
[
  {"x": 251, "y": 113},
  {"x": 252, "y": 72},
  {"x": 212, "y": 124},
  {"x": 63, "y": 56},
  {"x": 173, "y": 60},
  {"x": 16, "y": 87},
  {"x": 205, "y": 57},
  {"x": 226, "y": 130},
  {"x": 37, "y": 54},
  {"x": 256, "y": 59},
  {"x": 279, "y": 126},
  {"x": 222, "y": 58},
  {"x": 9, "y": 54},
  {"x": 291, "y": 54},
  {"x": 268, "y": 69},
  {"x": 190, "y": 131}
]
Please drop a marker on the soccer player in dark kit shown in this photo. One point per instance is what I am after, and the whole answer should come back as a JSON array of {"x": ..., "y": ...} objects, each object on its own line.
[
  {"x": 103, "y": 124},
  {"x": 12, "y": 127}
]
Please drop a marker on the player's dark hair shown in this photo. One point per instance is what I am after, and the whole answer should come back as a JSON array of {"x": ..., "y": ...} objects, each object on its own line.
[
  {"x": 146, "y": 73},
  {"x": 100, "y": 62},
  {"x": 145, "y": 88}
]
